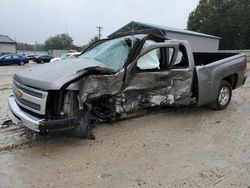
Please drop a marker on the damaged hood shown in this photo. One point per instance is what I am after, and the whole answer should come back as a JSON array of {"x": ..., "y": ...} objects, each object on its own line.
[{"x": 53, "y": 76}]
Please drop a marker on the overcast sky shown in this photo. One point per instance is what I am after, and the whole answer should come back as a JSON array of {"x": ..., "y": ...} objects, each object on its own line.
[{"x": 36, "y": 20}]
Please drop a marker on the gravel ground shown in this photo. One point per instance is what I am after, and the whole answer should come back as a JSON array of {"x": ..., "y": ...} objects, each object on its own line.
[{"x": 180, "y": 147}]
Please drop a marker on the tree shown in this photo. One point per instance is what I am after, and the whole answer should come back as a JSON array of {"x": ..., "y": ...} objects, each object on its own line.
[
  {"x": 24, "y": 46},
  {"x": 228, "y": 19},
  {"x": 29, "y": 47},
  {"x": 91, "y": 41},
  {"x": 60, "y": 41}
]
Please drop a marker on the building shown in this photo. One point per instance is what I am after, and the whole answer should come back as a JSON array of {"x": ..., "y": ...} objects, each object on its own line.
[
  {"x": 200, "y": 42},
  {"x": 7, "y": 45}
]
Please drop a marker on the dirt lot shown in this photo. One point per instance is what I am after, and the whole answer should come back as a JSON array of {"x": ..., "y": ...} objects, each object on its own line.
[{"x": 180, "y": 147}]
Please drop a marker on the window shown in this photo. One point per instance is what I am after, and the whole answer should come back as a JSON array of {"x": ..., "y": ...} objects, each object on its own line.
[
  {"x": 155, "y": 59},
  {"x": 112, "y": 53},
  {"x": 150, "y": 60},
  {"x": 8, "y": 57},
  {"x": 181, "y": 59},
  {"x": 170, "y": 54}
]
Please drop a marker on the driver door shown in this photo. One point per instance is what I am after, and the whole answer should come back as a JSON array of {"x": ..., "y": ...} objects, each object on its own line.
[
  {"x": 150, "y": 81},
  {"x": 7, "y": 60}
]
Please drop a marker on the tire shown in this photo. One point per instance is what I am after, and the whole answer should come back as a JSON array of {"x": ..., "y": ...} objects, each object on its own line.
[
  {"x": 43, "y": 133},
  {"x": 223, "y": 97},
  {"x": 81, "y": 130},
  {"x": 42, "y": 62},
  {"x": 21, "y": 63}
]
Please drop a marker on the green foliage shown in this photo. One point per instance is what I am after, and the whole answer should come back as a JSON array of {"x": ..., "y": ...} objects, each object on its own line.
[
  {"x": 29, "y": 47},
  {"x": 77, "y": 48},
  {"x": 91, "y": 41},
  {"x": 60, "y": 41},
  {"x": 24, "y": 46},
  {"x": 228, "y": 19}
]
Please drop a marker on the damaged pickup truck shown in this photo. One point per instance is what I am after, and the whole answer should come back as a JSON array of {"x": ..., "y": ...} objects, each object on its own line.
[{"x": 118, "y": 76}]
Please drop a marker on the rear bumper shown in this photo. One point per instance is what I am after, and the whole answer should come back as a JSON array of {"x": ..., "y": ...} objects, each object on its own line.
[{"x": 39, "y": 124}]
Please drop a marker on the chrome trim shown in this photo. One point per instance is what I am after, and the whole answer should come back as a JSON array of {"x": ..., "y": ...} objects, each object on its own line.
[
  {"x": 19, "y": 115},
  {"x": 41, "y": 101}
]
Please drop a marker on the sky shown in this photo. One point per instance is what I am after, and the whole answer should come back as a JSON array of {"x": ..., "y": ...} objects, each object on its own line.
[{"x": 35, "y": 20}]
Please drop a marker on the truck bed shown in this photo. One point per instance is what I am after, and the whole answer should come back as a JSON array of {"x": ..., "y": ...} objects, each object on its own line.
[
  {"x": 212, "y": 68},
  {"x": 207, "y": 58}
]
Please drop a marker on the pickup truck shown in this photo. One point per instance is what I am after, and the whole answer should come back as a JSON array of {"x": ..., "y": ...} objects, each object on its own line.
[{"x": 118, "y": 76}]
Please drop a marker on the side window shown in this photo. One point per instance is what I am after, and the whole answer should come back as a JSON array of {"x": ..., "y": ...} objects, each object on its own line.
[
  {"x": 154, "y": 60},
  {"x": 8, "y": 57},
  {"x": 150, "y": 60},
  {"x": 170, "y": 54},
  {"x": 181, "y": 59}
]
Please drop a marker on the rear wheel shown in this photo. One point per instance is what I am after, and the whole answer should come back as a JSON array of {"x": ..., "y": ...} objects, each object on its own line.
[{"x": 224, "y": 96}]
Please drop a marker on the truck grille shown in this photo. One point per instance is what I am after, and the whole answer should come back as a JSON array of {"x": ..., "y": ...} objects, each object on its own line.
[{"x": 30, "y": 98}]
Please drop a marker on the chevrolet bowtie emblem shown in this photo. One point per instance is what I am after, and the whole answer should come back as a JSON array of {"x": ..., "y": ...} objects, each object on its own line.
[{"x": 19, "y": 93}]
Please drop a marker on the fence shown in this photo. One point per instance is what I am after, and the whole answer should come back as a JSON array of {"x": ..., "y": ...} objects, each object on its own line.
[
  {"x": 31, "y": 52},
  {"x": 54, "y": 53},
  {"x": 57, "y": 53}
]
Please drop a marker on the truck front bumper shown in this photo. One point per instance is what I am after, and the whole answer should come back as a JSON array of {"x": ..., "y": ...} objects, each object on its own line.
[
  {"x": 39, "y": 124},
  {"x": 19, "y": 116}
]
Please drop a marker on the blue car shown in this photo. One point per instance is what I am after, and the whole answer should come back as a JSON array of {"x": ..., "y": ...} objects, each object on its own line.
[
  {"x": 43, "y": 59},
  {"x": 13, "y": 59}
]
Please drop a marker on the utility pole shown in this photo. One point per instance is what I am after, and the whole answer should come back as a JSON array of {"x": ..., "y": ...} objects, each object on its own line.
[
  {"x": 99, "y": 28},
  {"x": 16, "y": 44},
  {"x": 35, "y": 47}
]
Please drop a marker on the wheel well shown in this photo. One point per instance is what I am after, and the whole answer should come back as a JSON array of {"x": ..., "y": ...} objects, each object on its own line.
[{"x": 232, "y": 79}]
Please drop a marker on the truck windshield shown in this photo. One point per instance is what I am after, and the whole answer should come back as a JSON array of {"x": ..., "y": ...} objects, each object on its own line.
[{"x": 112, "y": 53}]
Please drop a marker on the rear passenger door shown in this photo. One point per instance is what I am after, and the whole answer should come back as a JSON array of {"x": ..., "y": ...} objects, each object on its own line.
[
  {"x": 16, "y": 59},
  {"x": 47, "y": 58}
]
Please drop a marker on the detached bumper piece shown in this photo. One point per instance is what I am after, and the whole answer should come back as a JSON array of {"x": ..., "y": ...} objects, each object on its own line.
[
  {"x": 58, "y": 125},
  {"x": 38, "y": 124}
]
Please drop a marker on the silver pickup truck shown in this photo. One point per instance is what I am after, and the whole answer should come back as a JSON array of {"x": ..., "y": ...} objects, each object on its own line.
[{"x": 118, "y": 76}]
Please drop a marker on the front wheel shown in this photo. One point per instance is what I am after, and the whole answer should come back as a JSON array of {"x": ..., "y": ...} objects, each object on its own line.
[
  {"x": 224, "y": 96},
  {"x": 21, "y": 63},
  {"x": 81, "y": 130}
]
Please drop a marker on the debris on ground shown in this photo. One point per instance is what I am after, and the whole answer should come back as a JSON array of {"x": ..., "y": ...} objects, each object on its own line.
[{"x": 6, "y": 124}]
